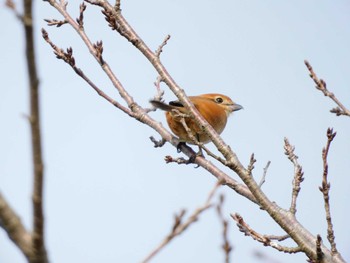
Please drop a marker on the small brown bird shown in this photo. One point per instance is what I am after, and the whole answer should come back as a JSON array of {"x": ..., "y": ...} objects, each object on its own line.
[{"x": 215, "y": 108}]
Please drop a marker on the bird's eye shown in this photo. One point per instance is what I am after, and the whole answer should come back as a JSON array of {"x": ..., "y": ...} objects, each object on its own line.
[{"x": 219, "y": 100}]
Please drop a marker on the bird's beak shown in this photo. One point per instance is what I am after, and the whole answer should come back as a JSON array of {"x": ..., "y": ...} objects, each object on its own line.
[{"x": 236, "y": 107}]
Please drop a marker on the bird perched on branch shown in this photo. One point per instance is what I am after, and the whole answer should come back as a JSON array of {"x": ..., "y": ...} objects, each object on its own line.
[{"x": 215, "y": 108}]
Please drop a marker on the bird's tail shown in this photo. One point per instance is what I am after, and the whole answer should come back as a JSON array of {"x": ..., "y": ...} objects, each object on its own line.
[{"x": 161, "y": 105}]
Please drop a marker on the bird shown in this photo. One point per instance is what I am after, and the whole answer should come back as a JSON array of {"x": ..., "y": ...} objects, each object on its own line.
[{"x": 215, "y": 108}]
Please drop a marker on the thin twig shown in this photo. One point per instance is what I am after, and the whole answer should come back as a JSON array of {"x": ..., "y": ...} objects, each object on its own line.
[
  {"x": 319, "y": 252},
  {"x": 67, "y": 56},
  {"x": 213, "y": 155},
  {"x": 160, "y": 48},
  {"x": 160, "y": 92},
  {"x": 251, "y": 164},
  {"x": 179, "y": 227},
  {"x": 55, "y": 22},
  {"x": 322, "y": 86},
  {"x": 80, "y": 19},
  {"x": 11, "y": 5},
  {"x": 262, "y": 181},
  {"x": 248, "y": 231},
  {"x": 298, "y": 174},
  {"x": 325, "y": 191},
  {"x": 226, "y": 246}
]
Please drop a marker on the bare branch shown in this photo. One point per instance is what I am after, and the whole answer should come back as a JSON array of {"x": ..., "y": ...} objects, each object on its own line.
[
  {"x": 325, "y": 191},
  {"x": 248, "y": 231},
  {"x": 321, "y": 85},
  {"x": 117, "y": 6},
  {"x": 160, "y": 92},
  {"x": 298, "y": 174},
  {"x": 160, "y": 48},
  {"x": 226, "y": 246},
  {"x": 251, "y": 164},
  {"x": 38, "y": 242},
  {"x": 211, "y": 154},
  {"x": 319, "y": 252},
  {"x": 11, "y": 5},
  {"x": 69, "y": 59},
  {"x": 55, "y": 22},
  {"x": 14, "y": 228},
  {"x": 262, "y": 181},
  {"x": 179, "y": 226},
  {"x": 80, "y": 20}
]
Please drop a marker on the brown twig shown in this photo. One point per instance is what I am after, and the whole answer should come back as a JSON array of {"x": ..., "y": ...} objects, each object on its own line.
[
  {"x": 179, "y": 226},
  {"x": 262, "y": 181},
  {"x": 213, "y": 155},
  {"x": 67, "y": 56},
  {"x": 298, "y": 174},
  {"x": 11, "y": 5},
  {"x": 160, "y": 48},
  {"x": 80, "y": 19},
  {"x": 226, "y": 246},
  {"x": 55, "y": 22},
  {"x": 160, "y": 92},
  {"x": 322, "y": 86},
  {"x": 325, "y": 191},
  {"x": 319, "y": 252},
  {"x": 251, "y": 164},
  {"x": 248, "y": 231}
]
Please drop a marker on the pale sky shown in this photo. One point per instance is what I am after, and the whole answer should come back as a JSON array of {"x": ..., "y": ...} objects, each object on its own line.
[{"x": 109, "y": 196}]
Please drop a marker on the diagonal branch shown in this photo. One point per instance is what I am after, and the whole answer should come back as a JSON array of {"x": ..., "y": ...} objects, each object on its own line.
[
  {"x": 179, "y": 226},
  {"x": 265, "y": 239},
  {"x": 14, "y": 228},
  {"x": 322, "y": 86}
]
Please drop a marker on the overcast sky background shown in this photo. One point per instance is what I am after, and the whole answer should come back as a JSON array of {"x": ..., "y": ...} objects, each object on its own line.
[{"x": 109, "y": 196}]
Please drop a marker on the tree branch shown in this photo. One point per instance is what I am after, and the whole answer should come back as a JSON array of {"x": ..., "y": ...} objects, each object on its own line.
[
  {"x": 321, "y": 85},
  {"x": 39, "y": 251},
  {"x": 325, "y": 191},
  {"x": 179, "y": 227},
  {"x": 14, "y": 228}
]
